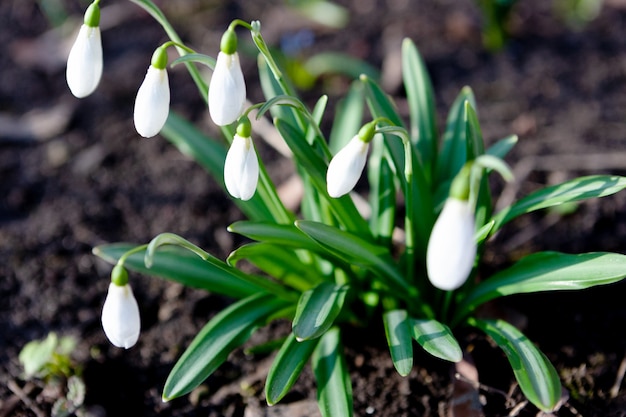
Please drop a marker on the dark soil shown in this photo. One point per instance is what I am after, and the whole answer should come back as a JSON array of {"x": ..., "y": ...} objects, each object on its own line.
[{"x": 74, "y": 174}]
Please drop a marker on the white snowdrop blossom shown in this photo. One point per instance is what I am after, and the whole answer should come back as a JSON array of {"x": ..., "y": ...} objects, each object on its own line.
[
  {"x": 84, "y": 63},
  {"x": 451, "y": 247},
  {"x": 120, "y": 316},
  {"x": 241, "y": 168},
  {"x": 152, "y": 104},
  {"x": 346, "y": 167},
  {"x": 227, "y": 90}
]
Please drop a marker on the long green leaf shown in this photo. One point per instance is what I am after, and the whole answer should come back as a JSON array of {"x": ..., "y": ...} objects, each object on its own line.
[
  {"x": 278, "y": 262},
  {"x": 420, "y": 95},
  {"x": 502, "y": 147},
  {"x": 536, "y": 376},
  {"x": 181, "y": 266},
  {"x": 225, "y": 332},
  {"x": 334, "y": 390},
  {"x": 348, "y": 118},
  {"x": 382, "y": 193},
  {"x": 279, "y": 234},
  {"x": 436, "y": 339},
  {"x": 547, "y": 271},
  {"x": 357, "y": 251},
  {"x": 317, "y": 310},
  {"x": 581, "y": 188},
  {"x": 476, "y": 147},
  {"x": 453, "y": 154},
  {"x": 399, "y": 340},
  {"x": 286, "y": 367},
  {"x": 339, "y": 63}
]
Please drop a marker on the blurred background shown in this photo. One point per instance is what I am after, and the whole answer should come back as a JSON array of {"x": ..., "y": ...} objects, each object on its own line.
[{"x": 74, "y": 174}]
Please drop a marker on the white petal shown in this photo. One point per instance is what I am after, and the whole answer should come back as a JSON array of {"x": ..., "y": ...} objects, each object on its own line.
[
  {"x": 451, "y": 247},
  {"x": 241, "y": 168},
  {"x": 84, "y": 64},
  {"x": 346, "y": 167},
  {"x": 152, "y": 104},
  {"x": 227, "y": 90},
  {"x": 120, "y": 316}
]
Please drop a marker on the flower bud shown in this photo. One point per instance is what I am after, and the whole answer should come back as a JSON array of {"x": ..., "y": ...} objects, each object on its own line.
[
  {"x": 346, "y": 167},
  {"x": 152, "y": 104},
  {"x": 241, "y": 167},
  {"x": 120, "y": 316},
  {"x": 84, "y": 63},
  {"x": 227, "y": 89},
  {"x": 451, "y": 247}
]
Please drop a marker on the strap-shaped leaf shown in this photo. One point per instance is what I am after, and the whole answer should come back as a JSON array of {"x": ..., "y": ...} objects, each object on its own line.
[
  {"x": 228, "y": 330},
  {"x": 348, "y": 118},
  {"x": 382, "y": 193},
  {"x": 436, "y": 339},
  {"x": 286, "y": 367},
  {"x": 279, "y": 234},
  {"x": 453, "y": 154},
  {"x": 278, "y": 262},
  {"x": 272, "y": 88},
  {"x": 420, "y": 95},
  {"x": 581, "y": 188},
  {"x": 399, "y": 340},
  {"x": 475, "y": 148},
  {"x": 535, "y": 374},
  {"x": 334, "y": 390},
  {"x": 360, "y": 252},
  {"x": 317, "y": 310},
  {"x": 181, "y": 266},
  {"x": 547, "y": 271},
  {"x": 502, "y": 147}
]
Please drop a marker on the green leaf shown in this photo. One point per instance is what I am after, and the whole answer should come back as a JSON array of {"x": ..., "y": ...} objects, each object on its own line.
[
  {"x": 317, "y": 310},
  {"x": 272, "y": 88},
  {"x": 348, "y": 118},
  {"x": 209, "y": 61},
  {"x": 286, "y": 367},
  {"x": 279, "y": 234},
  {"x": 502, "y": 147},
  {"x": 535, "y": 374},
  {"x": 436, "y": 339},
  {"x": 453, "y": 154},
  {"x": 278, "y": 262},
  {"x": 476, "y": 148},
  {"x": 37, "y": 354},
  {"x": 358, "y": 251},
  {"x": 382, "y": 193},
  {"x": 334, "y": 390},
  {"x": 181, "y": 266},
  {"x": 399, "y": 340},
  {"x": 547, "y": 271},
  {"x": 420, "y": 95},
  {"x": 581, "y": 188},
  {"x": 225, "y": 332}
]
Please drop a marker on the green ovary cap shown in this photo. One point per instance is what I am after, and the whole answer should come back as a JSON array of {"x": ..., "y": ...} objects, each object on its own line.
[
  {"x": 228, "y": 45},
  {"x": 92, "y": 14},
  {"x": 159, "y": 57},
  {"x": 460, "y": 187},
  {"x": 244, "y": 127},
  {"x": 119, "y": 275},
  {"x": 366, "y": 133}
]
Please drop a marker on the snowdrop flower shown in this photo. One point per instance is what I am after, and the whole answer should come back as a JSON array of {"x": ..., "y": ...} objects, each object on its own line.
[
  {"x": 451, "y": 247},
  {"x": 227, "y": 89},
  {"x": 152, "y": 104},
  {"x": 241, "y": 167},
  {"x": 84, "y": 63},
  {"x": 347, "y": 165},
  {"x": 120, "y": 313}
]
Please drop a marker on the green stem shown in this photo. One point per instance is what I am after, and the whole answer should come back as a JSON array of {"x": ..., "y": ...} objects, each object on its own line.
[{"x": 134, "y": 250}]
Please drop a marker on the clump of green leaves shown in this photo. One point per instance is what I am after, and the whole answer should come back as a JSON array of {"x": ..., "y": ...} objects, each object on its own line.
[
  {"x": 49, "y": 360},
  {"x": 328, "y": 266}
]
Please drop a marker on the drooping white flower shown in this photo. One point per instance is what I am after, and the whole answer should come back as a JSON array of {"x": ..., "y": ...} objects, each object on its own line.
[
  {"x": 84, "y": 63},
  {"x": 241, "y": 168},
  {"x": 152, "y": 104},
  {"x": 451, "y": 247},
  {"x": 120, "y": 316},
  {"x": 227, "y": 90},
  {"x": 346, "y": 167}
]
